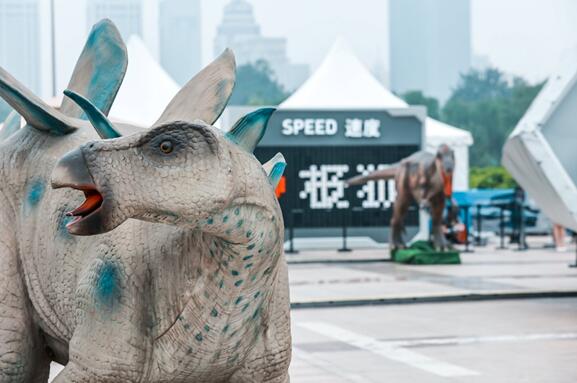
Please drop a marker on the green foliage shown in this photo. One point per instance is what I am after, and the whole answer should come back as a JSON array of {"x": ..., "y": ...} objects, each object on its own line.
[
  {"x": 491, "y": 177},
  {"x": 416, "y": 97},
  {"x": 256, "y": 85},
  {"x": 488, "y": 106}
]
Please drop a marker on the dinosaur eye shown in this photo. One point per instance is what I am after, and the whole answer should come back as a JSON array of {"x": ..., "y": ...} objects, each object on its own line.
[{"x": 166, "y": 147}]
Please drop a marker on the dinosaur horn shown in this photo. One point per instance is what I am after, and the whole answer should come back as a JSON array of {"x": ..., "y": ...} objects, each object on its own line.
[
  {"x": 35, "y": 111},
  {"x": 206, "y": 95},
  {"x": 99, "y": 70},
  {"x": 274, "y": 169},
  {"x": 103, "y": 126},
  {"x": 249, "y": 130}
]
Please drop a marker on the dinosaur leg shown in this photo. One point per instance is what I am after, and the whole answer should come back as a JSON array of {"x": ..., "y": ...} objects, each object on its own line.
[
  {"x": 401, "y": 206},
  {"x": 437, "y": 208},
  {"x": 22, "y": 354},
  {"x": 110, "y": 342}
]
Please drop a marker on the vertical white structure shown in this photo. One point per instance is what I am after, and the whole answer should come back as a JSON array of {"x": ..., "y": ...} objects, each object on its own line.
[
  {"x": 541, "y": 152},
  {"x": 430, "y": 45},
  {"x": 180, "y": 38}
]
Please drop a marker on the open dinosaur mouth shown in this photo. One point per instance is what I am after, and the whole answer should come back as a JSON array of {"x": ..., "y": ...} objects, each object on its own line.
[{"x": 92, "y": 203}]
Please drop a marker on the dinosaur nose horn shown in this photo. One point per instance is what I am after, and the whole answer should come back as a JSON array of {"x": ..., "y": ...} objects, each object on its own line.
[{"x": 103, "y": 126}]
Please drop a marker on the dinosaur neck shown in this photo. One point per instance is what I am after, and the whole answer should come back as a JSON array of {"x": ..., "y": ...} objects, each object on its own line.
[
  {"x": 240, "y": 250},
  {"x": 245, "y": 240}
]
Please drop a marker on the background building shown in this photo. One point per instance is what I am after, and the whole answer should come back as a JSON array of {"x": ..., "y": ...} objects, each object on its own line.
[
  {"x": 240, "y": 32},
  {"x": 132, "y": 17},
  {"x": 180, "y": 38},
  {"x": 126, "y": 14},
  {"x": 25, "y": 43},
  {"x": 430, "y": 45}
]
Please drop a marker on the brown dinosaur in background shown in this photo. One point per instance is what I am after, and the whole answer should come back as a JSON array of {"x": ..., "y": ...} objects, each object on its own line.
[{"x": 423, "y": 178}]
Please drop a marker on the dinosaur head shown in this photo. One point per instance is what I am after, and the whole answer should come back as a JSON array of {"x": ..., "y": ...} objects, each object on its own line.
[
  {"x": 174, "y": 173},
  {"x": 445, "y": 160},
  {"x": 180, "y": 171}
]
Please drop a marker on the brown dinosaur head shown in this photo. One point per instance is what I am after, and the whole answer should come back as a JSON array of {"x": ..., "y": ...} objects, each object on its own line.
[{"x": 445, "y": 160}]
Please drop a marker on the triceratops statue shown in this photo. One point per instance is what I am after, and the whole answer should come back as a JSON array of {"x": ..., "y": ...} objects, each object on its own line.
[{"x": 171, "y": 267}]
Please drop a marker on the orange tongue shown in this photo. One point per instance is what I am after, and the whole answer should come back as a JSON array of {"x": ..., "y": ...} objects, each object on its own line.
[
  {"x": 93, "y": 201},
  {"x": 447, "y": 185}
]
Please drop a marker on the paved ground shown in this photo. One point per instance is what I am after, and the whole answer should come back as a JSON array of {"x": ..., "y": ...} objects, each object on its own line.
[
  {"x": 499, "y": 342},
  {"x": 325, "y": 276}
]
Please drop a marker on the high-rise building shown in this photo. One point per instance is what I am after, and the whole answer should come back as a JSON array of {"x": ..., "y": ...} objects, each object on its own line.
[
  {"x": 240, "y": 32},
  {"x": 430, "y": 45},
  {"x": 20, "y": 50},
  {"x": 131, "y": 17},
  {"x": 180, "y": 38},
  {"x": 126, "y": 14}
]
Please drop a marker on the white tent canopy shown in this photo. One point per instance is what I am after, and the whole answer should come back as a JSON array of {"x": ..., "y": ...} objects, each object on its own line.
[
  {"x": 540, "y": 153},
  {"x": 146, "y": 90},
  {"x": 343, "y": 82}
]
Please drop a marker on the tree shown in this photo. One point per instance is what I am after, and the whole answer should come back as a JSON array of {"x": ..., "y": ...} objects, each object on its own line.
[
  {"x": 491, "y": 177},
  {"x": 256, "y": 85},
  {"x": 488, "y": 106},
  {"x": 416, "y": 97}
]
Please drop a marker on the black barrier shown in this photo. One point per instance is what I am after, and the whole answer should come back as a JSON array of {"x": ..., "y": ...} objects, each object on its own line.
[
  {"x": 314, "y": 176},
  {"x": 291, "y": 220}
]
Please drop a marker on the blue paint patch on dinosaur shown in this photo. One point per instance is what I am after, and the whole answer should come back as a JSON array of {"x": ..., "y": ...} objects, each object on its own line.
[
  {"x": 35, "y": 192},
  {"x": 62, "y": 222},
  {"x": 105, "y": 55},
  {"x": 276, "y": 173},
  {"x": 107, "y": 288}
]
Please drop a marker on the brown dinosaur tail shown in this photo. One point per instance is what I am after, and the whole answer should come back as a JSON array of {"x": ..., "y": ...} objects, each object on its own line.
[{"x": 387, "y": 173}]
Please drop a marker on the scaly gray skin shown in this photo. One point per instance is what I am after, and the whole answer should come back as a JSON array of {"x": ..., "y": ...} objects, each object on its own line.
[
  {"x": 420, "y": 178},
  {"x": 179, "y": 274}
]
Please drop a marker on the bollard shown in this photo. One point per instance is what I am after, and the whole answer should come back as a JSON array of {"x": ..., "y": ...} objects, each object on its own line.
[
  {"x": 522, "y": 245},
  {"x": 479, "y": 228},
  {"x": 502, "y": 226},
  {"x": 344, "y": 248},
  {"x": 467, "y": 240},
  {"x": 574, "y": 265},
  {"x": 292, "y": 249}
]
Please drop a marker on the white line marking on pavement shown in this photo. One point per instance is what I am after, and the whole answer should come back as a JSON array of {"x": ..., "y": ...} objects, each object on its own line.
[
  {"x": 388, "y": 350},
  {"x": 328, "y": 367},
  {"x": 483, "y": 339}
]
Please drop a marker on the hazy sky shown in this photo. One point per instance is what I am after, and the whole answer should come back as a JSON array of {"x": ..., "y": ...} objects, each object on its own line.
[{"x": 525, "y": 37}]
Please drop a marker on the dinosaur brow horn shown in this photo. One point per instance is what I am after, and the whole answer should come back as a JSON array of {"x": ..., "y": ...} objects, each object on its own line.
[{"x": 99, "y": 121}]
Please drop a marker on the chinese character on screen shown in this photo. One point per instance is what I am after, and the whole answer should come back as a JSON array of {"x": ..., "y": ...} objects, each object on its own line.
[{"x": 324, "y": 186}]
